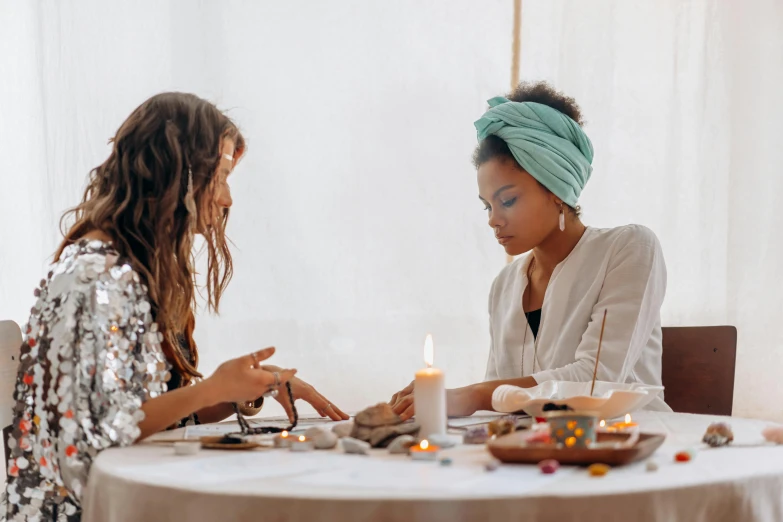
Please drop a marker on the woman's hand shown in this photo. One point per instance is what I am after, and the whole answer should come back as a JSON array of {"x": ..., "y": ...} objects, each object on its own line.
[
  {"x": 402, "y": 402},
  {"x": 460, "y": 402},
  {"x": 243, "y": 379},
  {"x": 302, "y": 390}
]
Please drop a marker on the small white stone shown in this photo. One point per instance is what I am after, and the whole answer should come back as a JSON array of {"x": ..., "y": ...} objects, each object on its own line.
[
  {"x": 492, "y": 465},
  {"x": 314, "y": 431},
  {"x": 401, "y": 445},
  {"x": 444, "y": 441},
  {"x": 356, "y": 446},
  {"x": 343, "y": 429},
  {"x": 324, "y": 440}
]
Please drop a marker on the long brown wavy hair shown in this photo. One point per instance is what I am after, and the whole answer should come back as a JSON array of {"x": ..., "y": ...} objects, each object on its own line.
[{"x": 137, "y": 197}]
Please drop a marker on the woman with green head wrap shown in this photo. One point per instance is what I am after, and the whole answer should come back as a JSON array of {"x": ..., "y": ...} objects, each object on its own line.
[{"x": 546, "y": 308}]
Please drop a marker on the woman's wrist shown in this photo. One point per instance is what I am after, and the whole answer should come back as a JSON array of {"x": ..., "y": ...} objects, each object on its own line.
[
  {"x": 467, "y": 400},
  {"x": 207, "y": 394},
  {"x": 481, "y": 394}
]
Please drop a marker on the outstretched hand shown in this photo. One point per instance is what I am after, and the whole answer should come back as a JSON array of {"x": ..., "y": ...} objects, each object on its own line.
[{"x": 302, "y": 390}]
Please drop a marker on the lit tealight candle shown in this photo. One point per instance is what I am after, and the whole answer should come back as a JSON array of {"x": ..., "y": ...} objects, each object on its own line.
[
  {"x": 424, "y": 451},
  {"x": 619, "y": 426},
  {"x": 282, "y": 440},
  {"x": 302, "y": 444},
  {"x": 429, "y": 396},
  {"x": 625, "y": 425}
]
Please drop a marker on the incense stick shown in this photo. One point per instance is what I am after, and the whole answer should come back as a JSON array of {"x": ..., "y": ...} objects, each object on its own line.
[{"x": 600, "y": 340}]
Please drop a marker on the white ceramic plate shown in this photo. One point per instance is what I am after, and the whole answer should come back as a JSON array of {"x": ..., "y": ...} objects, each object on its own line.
[{"x": 609, "y": 400}]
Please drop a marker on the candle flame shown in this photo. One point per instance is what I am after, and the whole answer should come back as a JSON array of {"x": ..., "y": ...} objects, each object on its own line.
[
  {"x": 602, "y": 423},
  {"x": 627, "y": 418},
  {"x": 284, "y": 434},
  {"x": 429, "y": 351},
  {"x": 424, "y": 444},
  {"x": 301, "y": 438}
]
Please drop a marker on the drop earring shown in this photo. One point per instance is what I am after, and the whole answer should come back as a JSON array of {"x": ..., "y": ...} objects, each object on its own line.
[{"x": 562, "y": 218}]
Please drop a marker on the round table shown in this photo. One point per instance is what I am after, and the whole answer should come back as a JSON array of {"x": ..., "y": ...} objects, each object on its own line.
[{"x": 743, "y": 482}]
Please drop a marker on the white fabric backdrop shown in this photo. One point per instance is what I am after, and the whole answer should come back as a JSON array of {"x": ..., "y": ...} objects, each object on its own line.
[
  {"x": 683, "y": 102},
  {"x": 356, "y": 222}
]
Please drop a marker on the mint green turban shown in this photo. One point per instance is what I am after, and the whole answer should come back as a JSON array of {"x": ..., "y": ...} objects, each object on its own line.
[{"x": 549, "y": 145}]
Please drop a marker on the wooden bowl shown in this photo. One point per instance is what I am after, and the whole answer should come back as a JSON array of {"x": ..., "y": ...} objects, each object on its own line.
[{"x": 511, "y": 449}]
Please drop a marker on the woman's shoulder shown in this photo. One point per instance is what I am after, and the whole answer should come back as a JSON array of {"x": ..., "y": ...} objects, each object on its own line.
[
  {"x": 95, "y": 270},
  {"x": 623, "y": 236}
]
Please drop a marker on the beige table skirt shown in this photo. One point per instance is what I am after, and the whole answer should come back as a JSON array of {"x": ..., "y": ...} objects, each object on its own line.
[{"x": 148, "y": 482}]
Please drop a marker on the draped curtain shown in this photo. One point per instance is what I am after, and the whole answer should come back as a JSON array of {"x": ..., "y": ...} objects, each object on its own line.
[{"x": 356, "y": 224}]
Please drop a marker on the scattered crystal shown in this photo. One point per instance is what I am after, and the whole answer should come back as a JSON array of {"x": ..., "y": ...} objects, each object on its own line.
[
  {"x": 718, "y": 434},
  {"x": 598, "y": 470},
  {"x": 548, "y": 466},
  {"x": 492, "y": 465},
  {"x": 476, "y": 435}
]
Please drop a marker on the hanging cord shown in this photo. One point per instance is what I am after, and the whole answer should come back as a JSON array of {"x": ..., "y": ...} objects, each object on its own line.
[{"x": 246, "y": 429}]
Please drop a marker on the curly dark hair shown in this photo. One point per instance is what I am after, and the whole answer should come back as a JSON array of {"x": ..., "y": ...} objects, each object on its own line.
[{"x": 539, "y": 92}]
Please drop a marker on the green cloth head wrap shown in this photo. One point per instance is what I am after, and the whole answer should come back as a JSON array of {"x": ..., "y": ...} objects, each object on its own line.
[{"x": 549, "y": 145}]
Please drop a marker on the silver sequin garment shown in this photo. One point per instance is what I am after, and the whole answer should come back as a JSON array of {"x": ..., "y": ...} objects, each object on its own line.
[{"x": 90, "y": 357}]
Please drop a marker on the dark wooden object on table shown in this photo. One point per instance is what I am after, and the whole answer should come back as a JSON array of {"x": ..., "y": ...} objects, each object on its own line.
[
  {"x": 698, "y": 368},
  {"x": 510, "y": 448}
]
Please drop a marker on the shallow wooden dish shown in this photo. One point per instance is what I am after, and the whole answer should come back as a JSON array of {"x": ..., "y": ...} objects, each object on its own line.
[
  {"x": 214, "y": 443},
  {"x": 509, "y": 448}
]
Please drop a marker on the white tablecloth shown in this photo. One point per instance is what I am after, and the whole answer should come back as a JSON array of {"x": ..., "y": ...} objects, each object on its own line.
[{"x": 148, "y": 482}]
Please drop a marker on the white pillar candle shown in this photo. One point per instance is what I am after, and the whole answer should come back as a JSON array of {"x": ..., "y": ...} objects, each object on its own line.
[{"x": 429, "y": 396}]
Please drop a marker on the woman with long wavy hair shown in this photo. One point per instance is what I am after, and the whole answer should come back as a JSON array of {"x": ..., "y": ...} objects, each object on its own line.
[{"x": 109, "y": 356}]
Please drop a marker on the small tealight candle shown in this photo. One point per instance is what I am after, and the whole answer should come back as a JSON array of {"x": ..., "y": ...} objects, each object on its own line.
[
  {"x": 424, "y": 451},
  {"x": 283, "y": 440},
  {"x": 628, "y": 427},
  {"x": 619, "y": 426},
  {"x": 186, "y": 447},
  {"x": 302, "y": 444}
]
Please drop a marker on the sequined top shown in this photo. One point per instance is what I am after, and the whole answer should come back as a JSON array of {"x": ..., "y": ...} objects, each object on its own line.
[{"x": 91, "y": 356}]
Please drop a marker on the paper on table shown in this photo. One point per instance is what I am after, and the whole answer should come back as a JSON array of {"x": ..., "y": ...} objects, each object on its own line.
[
  {"x": 473, "y": 420},
  {"x": 303, "y": 424},
  {"x": 207, "y": 430}
]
